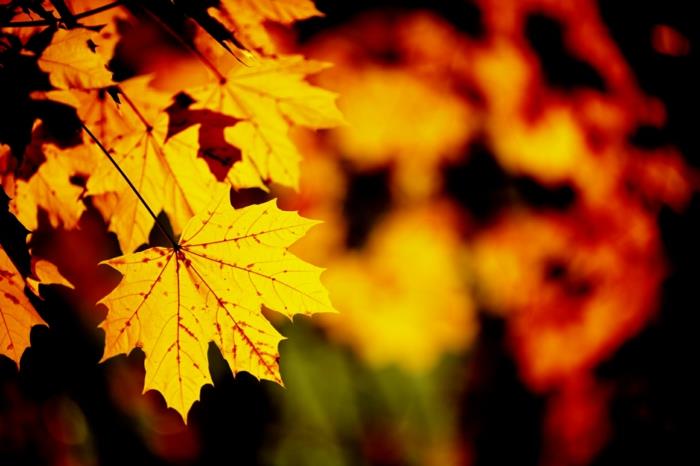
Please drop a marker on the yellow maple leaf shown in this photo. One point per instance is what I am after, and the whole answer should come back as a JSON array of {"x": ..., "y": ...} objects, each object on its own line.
[
  {"x": 228, "y": 263},
  {"x": 107, "y": 119},
  {"x": 169, "y": 175},
  {"x": 17, "y": 315},
  {"x": 246, "y": 18},
  {"x": 71, "y": 62},
  {"x": 267, "y": 96},
  {"x": 50, "y": 188},
  {"x": 95, "y": 109}
]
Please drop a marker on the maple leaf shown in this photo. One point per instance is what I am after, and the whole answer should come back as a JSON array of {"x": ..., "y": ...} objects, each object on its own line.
[
  {"x": 266, "y": 97},
  {"x": 169, "y": 175},
  {"x": 247, "y": 18},
  {"x": 72, "y": 62},
  {"x": 99, "y": 111},
  {"x": 50, "y": 188},
  {"x": 105, "y": 22},
  {"x": 17, "y": 315},
  {"x": 173, "y": 301}
]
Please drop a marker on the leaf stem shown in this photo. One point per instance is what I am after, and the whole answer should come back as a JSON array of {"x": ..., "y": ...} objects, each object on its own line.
[
  {"x": 44, "y": 22},
  {"x": 130, "y": 103},
  {"x": 163, "y": 230}
]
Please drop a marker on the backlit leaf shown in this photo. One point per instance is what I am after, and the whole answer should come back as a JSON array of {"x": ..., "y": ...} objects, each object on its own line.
[
  {"x": 72, "y": 62},
  {"x": 269, "y": 96},
  {"x": 17, "y": 315},
  {"x": 246, "y": 18},
  {"x": 45, "y": 273},
  {"x": 402, "y": 299},
  {"x": 107, "y": 118},
  {"x": 50, "y": 189},
  {"x": 172, "y": 303},
  {"x": 167, "y": 174}
]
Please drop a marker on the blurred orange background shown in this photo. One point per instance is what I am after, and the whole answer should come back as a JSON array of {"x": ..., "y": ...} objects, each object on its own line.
[{"x": 497, "y": 212}]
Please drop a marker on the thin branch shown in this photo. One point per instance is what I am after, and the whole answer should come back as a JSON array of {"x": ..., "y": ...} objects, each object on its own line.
[
  {"x": 43, "y": 22},
  {"x": 163, "y": 230},
  {"x": 200, "y": 56},
  {"x": 65, "y": 13}
]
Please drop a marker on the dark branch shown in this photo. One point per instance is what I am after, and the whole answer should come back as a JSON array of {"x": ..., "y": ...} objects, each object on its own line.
[{"x": 44, "y": 22}]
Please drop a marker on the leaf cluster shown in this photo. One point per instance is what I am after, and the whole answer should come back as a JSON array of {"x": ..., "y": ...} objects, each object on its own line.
[{"x": 148, "y": 147}]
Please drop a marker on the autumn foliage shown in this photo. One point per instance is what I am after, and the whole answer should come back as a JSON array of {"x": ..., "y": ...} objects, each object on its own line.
[
  {"x": 430, "y": 233},
  {"x": 210, "y": 285}
]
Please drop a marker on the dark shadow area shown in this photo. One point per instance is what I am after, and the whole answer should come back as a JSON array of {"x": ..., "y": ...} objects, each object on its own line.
[{"x": 561, "y": 69}]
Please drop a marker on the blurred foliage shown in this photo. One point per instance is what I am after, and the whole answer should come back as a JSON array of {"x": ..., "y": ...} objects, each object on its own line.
[{"x": 510, "y": 232}]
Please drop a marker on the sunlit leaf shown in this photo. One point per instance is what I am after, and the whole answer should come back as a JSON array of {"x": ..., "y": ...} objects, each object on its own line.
[
  {"x": 267, "y": 97},
  {"x": 228, "y": 264},
  {"x": 45, "y": 273},
  {"x": 169, "y": 175},
  {"x": 246, "y": 18},
  {"x": 51, "y": 190},
  {"x": 572, "y": 289},
  {"x": 403, "y": 300},
  {"x": 17, "y": 315},
  {"x": 72, "y": 62},
  {"x": 104, "y": 110},
  {"x": 106, "y": 20}
]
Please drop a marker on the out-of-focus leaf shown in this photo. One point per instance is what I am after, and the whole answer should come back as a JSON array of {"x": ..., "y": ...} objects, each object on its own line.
[
  {"x": 50, "y": 189},
  {"x": 403, "y": 300},
  {"x": 247, "y": 18}
]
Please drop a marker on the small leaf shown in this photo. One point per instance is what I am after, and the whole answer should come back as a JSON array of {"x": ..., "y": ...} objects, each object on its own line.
[
  {"x": 72, "y": 63},
  {"x": 45, "y": 273},
  {"x": 17, "y": 315}
]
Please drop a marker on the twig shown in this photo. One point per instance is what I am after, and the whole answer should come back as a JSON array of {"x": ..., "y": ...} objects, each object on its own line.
[
  {"x": 130, "y": 103},
  {"x": 43, "y": 22}
]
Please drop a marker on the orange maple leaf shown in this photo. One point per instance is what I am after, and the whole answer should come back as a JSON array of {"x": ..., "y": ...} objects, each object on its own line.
[
  {"x": 228, "y": 263},
  {"x": 17, "y": 315}
]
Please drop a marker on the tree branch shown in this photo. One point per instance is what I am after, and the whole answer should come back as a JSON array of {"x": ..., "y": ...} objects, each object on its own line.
[{"x": 43, "y": 22}]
